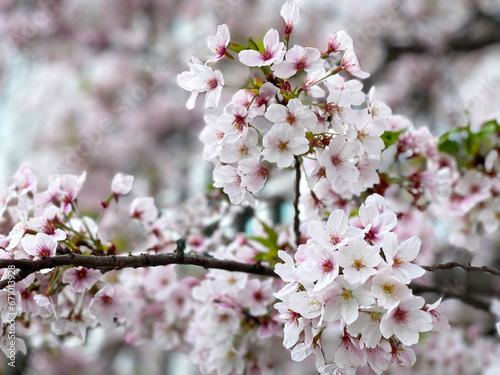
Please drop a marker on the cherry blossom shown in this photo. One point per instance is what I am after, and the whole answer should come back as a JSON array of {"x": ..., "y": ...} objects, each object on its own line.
[
  {"x": 202, "y": 78},
  {"x": 320, "y": 265},
  {"x": 122, "y": 184},
  {"x": 144, "y": 209},
  {"x": 294, "y": 114},
  {"x": 406, "y": 320},
  {"x": 399, "y": 257},
  {"x": 107, "y": 305},
  {"x": 219, "y": 42},
  {"x": 273, "y": 52},
  {"x": 296, "y": 59},
  {"x": 335, "y": 233},
  {"x": 340, "y": 41},
  {"x": 281, "y": 144},
  {"x": 344, "y": 93},
  {"x": 290, "y": 13},
  {"x": 253, "y": 175},
  {"x": 80, "y": 278},
  {"x": 337, "y": 160},
  {"x": 351, "y": 64},
  {"x": 358, "y": 259},
  {"x": 368, "y": 325},
  {"x": 26, "y": 179},
  {"x": 343, "y": 301},
  {"x": 228, "y": 178},
  {"x": 387, "y": 289},
  {"x": 71, "y": 186},
  {"x": 39, "y": 245},
  {"x": 244, "y": 148}
]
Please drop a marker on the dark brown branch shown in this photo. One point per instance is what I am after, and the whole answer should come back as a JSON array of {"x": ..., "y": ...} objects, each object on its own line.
[
  {"x": 468, "y": 268},
  {"x": 296, "y": 220},
  {"x": 450, "y": 293},
  {"x": 112, "y": 262}
]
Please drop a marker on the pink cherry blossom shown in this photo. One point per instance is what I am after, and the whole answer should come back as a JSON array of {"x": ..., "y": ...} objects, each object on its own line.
[
  {"x": 337, "y": 160},
  {"x": 349, "y": 353},
  {"x": 219, "y": 42},
  {"x": 71, "y": 186},
  {"x": 47, "y": 223},
  {"x": 387, "y": 289},
  {"x": 350, "y": 63},
  {"x": 107, "y": 305},
  {"x": 376, "y": 222},
  {"x": 253, "y": 175},
  {"x": 233, "y": 122},
  {"x": 368, "y": 325},
  {"x": 399, "y": 257},
  {"x": 290, "y": 13},
  {"x": 39, "y": 245},
  {"x": 122, "y": 184},
  {"x": 266, "y": 93},
  {"x": 273, "y": 51},
  {"x": 257, "y": 296},
  {"x": 406, "y": 320},
  {"x": 320, "y": 265},
  {"x": 340, "y": 41},
  {"x": 244, "y": 148},
  {"x": 211, "y": 135},
  {"x": 201, "y": 78},
  {"x": 80, "y": 278},
  {"x": 335, "y": 233},
  {"x": 343, "y": 301},
  {"x": 344, "y": 94},
  {"x": 295, "y": 114},
  {"x": 439, "y": 321},
  {"x": 144, "y": 209},
  {"x": 228, "y": 178},
  {"x": 366, "y": 133},
  {"x": 281, "y": 144},
  {"x": 358, "y": 259},
  {"x": 296, "y": 59},
  {"x": 294, "y": 324},
  {"x": 26, "y": 179}
]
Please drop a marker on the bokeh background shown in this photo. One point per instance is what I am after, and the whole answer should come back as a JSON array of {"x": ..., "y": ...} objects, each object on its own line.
[{"x": 90, "y": 85}]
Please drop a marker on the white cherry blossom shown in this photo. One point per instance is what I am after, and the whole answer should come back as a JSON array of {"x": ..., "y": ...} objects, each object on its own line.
[{"x": 273, "y": 51}]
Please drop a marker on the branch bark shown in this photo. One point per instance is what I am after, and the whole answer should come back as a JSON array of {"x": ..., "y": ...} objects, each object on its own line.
[
  {"x": 466, "y": 267},
  {"x": 296, "y": 220},
  {"x": 113, "y": 262},
  {"x": 450, "y": 293}
]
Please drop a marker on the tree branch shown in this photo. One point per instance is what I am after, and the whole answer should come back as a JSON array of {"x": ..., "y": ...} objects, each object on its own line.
[
  {"x": 450, "y": 293},
  {"x": 296, "y": 220},
  {"x": 113, "y": 262},
  {"x": 468, "y": 268}
]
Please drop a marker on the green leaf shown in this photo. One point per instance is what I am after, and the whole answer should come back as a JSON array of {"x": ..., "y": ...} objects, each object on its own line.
[
  {"x": 449, "y": 147},
  {"x": 252, "y": 44},
  {"x": 488, "y": 129},
  {"x": 236, "y": 47},
  {"x": 390, "y": 138},
  {"x": 271, "y": 243},
  {"x": 272, "y": 235}
]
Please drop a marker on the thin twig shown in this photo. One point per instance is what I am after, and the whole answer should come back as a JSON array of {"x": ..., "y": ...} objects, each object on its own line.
[
  {"x": 296, "y": 220},
  {"x": 466, "y": 267},
  {"x": 449, "y": 293}
]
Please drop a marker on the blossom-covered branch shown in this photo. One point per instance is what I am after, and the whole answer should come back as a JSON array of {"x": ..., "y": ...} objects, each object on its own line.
[{"x": 113, "y": 262}]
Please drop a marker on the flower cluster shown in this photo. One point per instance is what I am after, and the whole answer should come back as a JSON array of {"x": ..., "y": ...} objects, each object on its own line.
[
  {"x": 348, "y": 286},
  {"x": 304, "y": 110}
]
